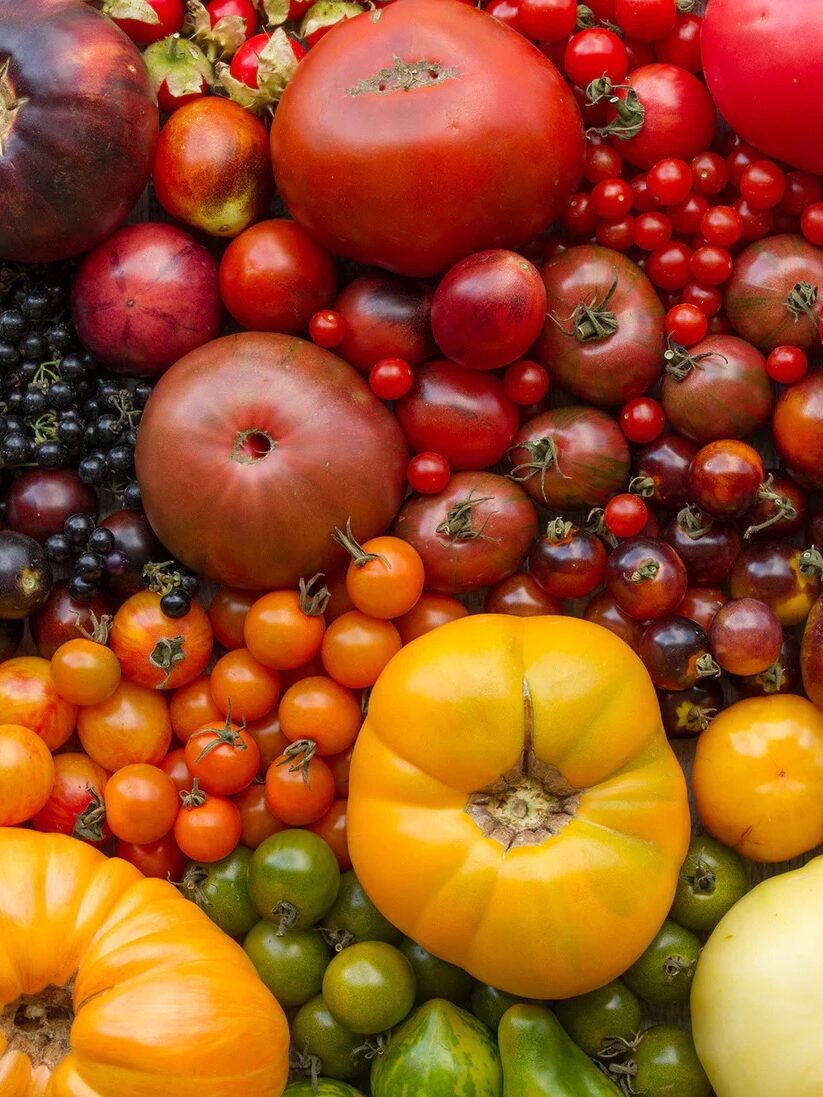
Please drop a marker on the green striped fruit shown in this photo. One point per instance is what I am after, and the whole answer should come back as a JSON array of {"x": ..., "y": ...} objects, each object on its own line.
[
  {"x": 326, "y": 1087},
  {"x": 439, "y": 1051}
]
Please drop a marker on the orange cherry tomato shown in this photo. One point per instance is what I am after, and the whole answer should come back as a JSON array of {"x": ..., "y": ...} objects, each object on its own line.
[
  {"x": 227, "y": 614},
  {"x": 240, "y": 683},
  {"x": 224, "y": 758},
  {"x": 159, "y": 651},
  {"x": 267, "y": 733},
  {"x": 299, "y": 785},
  {"x": 174, "y": 766},
  {"x": 340, "y": 601},
  {"x": 141, "y": 803},
  {"x": 191, "y": 707},
  {"x": 75, "y": 804},
  {"x": 431, "y": 611},
  {"x": 28, "y": 697},
  {"x": 26, "y": 774},
  {"x": 163, "y": 859},
  {"x": 256, "y": 820},
  {"x": 322, "y": 710},
  {"x": 332, "y": 829},
  {"x": 132, "y": 726},
  {"x": 207, "y": 828},
  {"x": 85, "y": 672},
  {"x": 386, "y": 574},
  {"x": 285, "y": 629},
  {"x": 356, "y": 648},
  {"x": 340, "y": 764}
]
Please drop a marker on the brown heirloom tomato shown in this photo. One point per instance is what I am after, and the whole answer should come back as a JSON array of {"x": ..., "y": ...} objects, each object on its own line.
[{"x": 385, "y": 317}]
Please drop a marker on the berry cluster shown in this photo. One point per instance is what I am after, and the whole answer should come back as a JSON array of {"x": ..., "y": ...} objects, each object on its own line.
[{"x": 90, "y": 550}]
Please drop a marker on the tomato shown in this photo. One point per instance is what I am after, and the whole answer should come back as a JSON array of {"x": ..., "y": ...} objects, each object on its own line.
[
  {"x": 645, "y": 20},
  {"x": 85, "y": 672},
  {"x": 273, "y": 277},
  {"x": 567, "y": 562},
  {"x": 241, "y": 685},
  {"x": 428, "y": 473},
  {"x": 162, "y": 859},
  {"x": 284, "y": 629},
  {"x": 663, "y": 974},
  {"x": 322, "y": 710},
  {"x": 525, "y": 382},
  {"x": 191, "y": 707},
  {"x": 669, "y": 181},
  {"x": 707, "y": 548},
  {"x": 710, "y": 173},
  {"x": 168, "y": 16},
  {"x": 238, "y": 9},
  {"x": 299, "y": 785},
  {"x": 224, "y": 759},
  {"x": 290, "y": 964},
  {"x": 521, "y": 596},
  {"x": 293, "y": 879},
  {"x": 686, "y": 325},
  {"x": 174, "y": 766},
  {"x": 642, "y": 419},
  {"x": 338, "y": 1051},
  {"x": 435, "y": 978},
  {"x": 712, "y": 880},
  {"x": 141, "y": 804},
  {"x": 785, "y": 365},
  {"x": 26, "y": 774},
  {"x": 665, "y": 1062},
  {"x": 711, "y": 265},
  {"x": 430, "y": 612},
  {"x": 646, "y": 577},
  {"x": 595, "y": 52},
  {"x": 681, "y": 46},
  {"x": 597, "y": 1019},
  {"x": 132, "y": 726},
  {"x": 155, "y": 650},
  {"x": 780, "y": 574},
  {"x": 340, "y": 764},
  {"x": 796, "y": 429},
  {"x": 327, "y": 328},
  {"x": 207, "y": 828},
  {"x": 385, "y": 576},
  {"x": 725, "y": 478},
  {"x": 227, "y": 614},
  {"x": 268, "y": 735},
  {"x": 332, "y": 828},
  {"x": 220, "y": 889},
  {"x": 603, "y": 341},
  {"x": 369, "y": 987},
  {"x": 180, "y": 72},
  {"x": 56, "y": 621},
  {"x": 391, "y": 378},
  {"x": 385, "y": 317},
  {"x": 811, "y": 223},
  {"x": 356, "y": 647},
  {"x": 354, "y": 917},
  {"x": 257, "y": 822},
  {"x": 75, "y": 803},
  {"x": 28, "y": 696},
  {"x": 721, "y": 225},
  {"x": 368, "y": 206}
]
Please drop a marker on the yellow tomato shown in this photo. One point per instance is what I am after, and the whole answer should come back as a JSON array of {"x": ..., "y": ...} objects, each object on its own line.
[
  {"x": 514, "y": 805},
  {"x": 758, "y": 777}
]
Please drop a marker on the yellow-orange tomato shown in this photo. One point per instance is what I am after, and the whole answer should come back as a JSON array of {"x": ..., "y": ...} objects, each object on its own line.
[
  {"x": 191, "y": 707},
  {"x": 158, "y": 651},
  {"x": 332, "y": 829},
  {"x": 26, "y": 774},
  {"x": 85, "y": 672},
  {"x": 240, "y": 682},
  {"x": 141, "y": 803},
  {"x": 28, "y": 696},
  {"x": 512, "y": 783},
  {"x": 322, "y": 710},
  {"x": 135, "y": 976},
  {"x": 431, "y": 611},
  {"x": 385, "y": 577},
  {"x": 283, "y": 629},
  {"x": 758, "y": 777},
  {"x": 357, "y": 647},
  {"x": 132, "y": 726}
]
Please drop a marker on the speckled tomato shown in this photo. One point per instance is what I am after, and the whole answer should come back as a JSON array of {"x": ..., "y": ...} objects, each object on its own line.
[
  {"x": 159, "y": 651},
  {"x": 797, "y": 427},
  {"x": 28, "y": 697}
]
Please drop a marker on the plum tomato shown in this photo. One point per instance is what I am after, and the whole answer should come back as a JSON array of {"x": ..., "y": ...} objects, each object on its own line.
[
  {"x": 141, "y": 803},
  {"x": 646, "y": 577}
]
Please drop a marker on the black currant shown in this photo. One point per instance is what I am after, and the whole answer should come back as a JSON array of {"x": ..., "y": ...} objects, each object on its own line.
[
  {"x": 82, "y": 590},
  {"x": 35, "y": 305},
  {"x": 72, "y": 368},
  {"x": 58, "y": 548},
  {"x": 51, "y": 454},
  {"x": 92, "y": 469},
  {"x": 116, "y": 563},
  {"x": 120, "y": 458},
  {"x": 175, "y": 604},
  {"x": 89, "y": 566},
  {"x": 34, "y": 402},
  {"x": 33, "y": 346},
  {"x": 12, "y": 325},
  {"x": 14, "y": 449},
  {"x": 132, "y": 497}
]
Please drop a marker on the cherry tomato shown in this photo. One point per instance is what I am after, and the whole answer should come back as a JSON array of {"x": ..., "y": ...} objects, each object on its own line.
[
  {"x": 133, "y": 725},
  {"x": 525, "y": 382},
  {"x": 645, "y": 20},
  {"x": 618, "y": 235},
  {"x": 746, "y": 636},
  {"x": 681, "y": 46},
  {"x": 431, "y": 611},
  {"x": 687, "y": 215},
  {"x": 757, "y": 223},
  {"x": 327, "y": 328},
  {"x": 227, "y": 614},
  {"x": 665, "y": 1061},
  {"x": 722, "y": 226},
  {"x": 546, "y": 20},
  {"x": 663, "y": 974},
  {"x": 85, "y": 672},
  {"x": 520, "y": 596},
  {"x": 811, "y": 223},
  {"x": 668, "y": 267},
  {"x": 28, "y": 697},
  {"x": 141, "y": 803},
  {"x": 567, "y": 562},
  {"x": 268, "y": 734},
  {"x": 709, "y": 300},
  {"x": 710, "y": 173},
  {"x": 713, "y": 878},
  {"x": 612, "y": 198},
  {"x": 356, "y": 647},
  {"x": 224, "y": 759},
  {"x": 322, "y": 710},
  {"x": 331, "y": 827},
  {"x": 257, "y": 822},
  {"x": 163, "y": 859},
  {"x": 646, "y": 578},
  {"x": 762, "y": 184},
  {"x": 174, "y": 766},
  {"x": 669, "y": 181},
  {"x": 221, "y": 9},
  {"x": 170, "y": 16},
  {"x": 711, "y": 265},
  {"x": 787, "y": 365},
  {"x": 240, "y": 682},
  {"x": 579, "y": 218},
  {"x": 207, "y": 828},
  {"x": 625, "y": 515},
  {"x": 651, "y": 231},
  {"x": 284, "y": 630},
  {"x": 505, "y": 11},
  {"x": 390, "y": 378},
  {"x": 643, "y": 201},
  {"x": 245, "y": 64},
  {"x": 428, "y": 473},
  {"x": 602, "y": 162},
  {"x": 802, "y": 189},
  {"x": 686, "y": 325},
  {"x": 299, "y": 785},
  {"x": 191, "y": 707},
  {"x": 385, "y": 576},
  {"x": 642, "y": 419},
  {"x": 595, "y": 52}
]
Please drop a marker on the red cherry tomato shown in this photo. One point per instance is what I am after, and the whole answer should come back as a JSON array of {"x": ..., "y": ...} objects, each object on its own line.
[
  {"x": 686, "y": 324},
  {"x": 546, "y": 20},
  {"x": 787, "y": 365},
  {"x": 722, "y": 226},
  {"x": 645, "y": 20},
  {"x": 710, "y": 173},
  {"x": 595, "y": 52},
  {"x": 390, "y": 378},
  {"x": 612, "y": 198},
  {"x": 327, "y": 328},
  {"x": 668, "y": 267},
  {"x": 579, "y": 217},
  {"x": 525, "y": 382},
  {"x": 428, "y": 473},
  {"x": 811, "y": 223},
  {"x": 802, "y": 189},
  {"x": 625, "y": 515},
  {"x": 681, "y": 46},
  {"x": 711, "y": 265},
  {"x": 762, "y": 184},
  {"x": 651, "y": 231},
  {"x": 669, "y": 181},
  {"x": 642, "y": 419}
]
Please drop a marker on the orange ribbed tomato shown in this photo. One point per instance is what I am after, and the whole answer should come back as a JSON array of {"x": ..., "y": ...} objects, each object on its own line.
[
  {"x": 143, "y": 994},
  {"x": 514, "y": 806}
]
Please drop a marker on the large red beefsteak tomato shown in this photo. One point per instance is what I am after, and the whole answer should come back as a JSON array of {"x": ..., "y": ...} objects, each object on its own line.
[
  {"x": 424, "y": 131},
  {"x": 78, "y": 126},
  {"x": 254, "y": 447}
]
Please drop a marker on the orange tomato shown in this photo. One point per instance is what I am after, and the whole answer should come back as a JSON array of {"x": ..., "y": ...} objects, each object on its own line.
[
  {"x": 285, "y": 629},
  {"x": 75, "y": 803},
  {"x": 159, "y": 651},
  {"x": 385, "y": 577},
  {"x": 133, "y": 725},
  {"x": 85, "y": 672},
  {"x": 191, "y": 707},
  {"x": 267, "y": 733},
  {"x": 431, "y": 611},
  {"x": 299, "y": 786},
  {"x": 332, "y": 829},
  {"x": 308, "y": 670},
  {"x": 322, "y": 710},
  {"x": 162, "y": 859},
  {"x": 243, "y": 685},
  {"x": 207, "y": 828},
  {"x": 174, "y": 766},
  {"x": 758, "y": 777},
  {"x": 141, "y": 803},
  {"x": 26, "y": 774},
  {"x": 256, "y": 821},
  {"x": 227, "y": 614},
  {"x": 224, "y": 759},
  {"x": 28, "y": 696},
  {"x": 340, "y": 765},
  {"x": 356, "y": 648}
]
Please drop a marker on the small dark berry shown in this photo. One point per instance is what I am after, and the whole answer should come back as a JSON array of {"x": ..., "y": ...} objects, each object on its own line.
[
  {"x": 51, "y": 454},
  {"x": 116, "y": 563},
  {"x": 58, "y": 548},
  {"x": 9, "y": 356},
  {"x": 82, "y": 590},
  {"x": 108, "y": 430},
  {"x": 132, "y": 497},
  {"x": 92, "y": 469},
  {"x": 175, "y": 604},
  {"x": 89, "y": 566},
  {"x": 60, "y": 394},
  {"x": 70, "y": 432},
  {"x": 120, "y": 458},
  {"x": 78, "y": 527},
  {"x": 14, "y": 449},
  {"x": 58, "y": 337},
  {"x": 72, "y": 368},
  {"x": 101, "y": 541},
  {"x": 34, "y": 402},
  {"x": 27, "y": 371},
  {"x": 35, "y": 306},
  {"x": 12, "y": 325},
  {"x": 33, "y": 346},
  {"x": 141, "y": 393}
]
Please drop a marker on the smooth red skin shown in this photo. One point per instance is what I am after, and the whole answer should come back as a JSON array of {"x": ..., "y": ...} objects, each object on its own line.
[
  {"x": 592, "y": 458},
  {"x": 677, "y": 705},
  {"x": 700, "y": 604},
  {"x": 145, "y": 297},
  {"x": 163, "y": 859},
  {"x": 680, "y": 116},
  {"x": 454, "y": 565},
  {"x": 570, "y": 567},
  {"x": 211, "y": 168},
  {"x": 785, "y": 527},
  {"x": 763, "y": 277},
  {"x": 56, "y": 622},
  {"x": 133, "y": 536},
  {"x": 171, "y": 14},
  {"x": 730, "y": 395},
  {"x": 413, "y": 180},
  {"x": 520, "y": 596},
  {"x": 725, "y": 478},
  {"x": 621, "y": 366},
  {"x": 386, "y": 317},
  {"x": 220, "y": 9},
  {"x": 264, "y": 524},
  {"x": 488, "y": 309},
  {"x": 670, "y": 648},
  {"x": 603, "y": 610},
  {"x": 769, "y": 571},
  {"x": 666, "y": 462},
  {"x": 745, "y": 636},
  {"x": 797, "y": 429},
  {"x": 79, "y": 150},
  {"x": 811, "y": 654},
  {"x": 710, "y": 557},
  {"x": 40, "y": 500},
  {"x": 74, "y": 774},
  {"x": 681, "y": 46},
  {"x": 462, "y": 414},
  {"x": 789, "y": 660},
  {"x": 646, "y": 599},
  {"x": 273, "y": 277}
]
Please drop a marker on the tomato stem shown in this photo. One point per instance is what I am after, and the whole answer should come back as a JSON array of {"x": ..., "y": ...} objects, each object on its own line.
[
  {"x": 772, "y": 678},
  {"x": 10, "y": 104},
  {"x": 543, "y": 453},
  {"x": 353, "y": 547},
  {"x": 590, "y": 321},
  {"x": 313, "y": 602},
  {"x": 89, "y": 823},
  {"x": 811, "y": 562},
  {"x": 297, "y": 756},
  {"x": 195, "y": 797},
  {"x": 679, "y": 363},
  {"x": 802, "y": 300},
  {"x": 166, "y": 654},
  {"x": 784, "y": 508},
  {"x": 647, "y": 570},
  {"x": 100, "y": 627},
  {"x": 694, "y": 523},
  {"x": 642, "y": 486},
  {"x": 228, "y": 736},
  {"x": 630, "y": 114},
  {"x": 458, "y": 523},
  {"x": 706, "y": 667}
]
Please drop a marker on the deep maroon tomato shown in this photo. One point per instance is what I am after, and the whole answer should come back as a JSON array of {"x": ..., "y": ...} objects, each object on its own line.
[
  {"x": 796, "y": 428},
  {"x": 642, "y": 419},
  {"x": 725, "y": 478},
  {"x": 780, "y": 510},
  {"x": 802, "y": 190},
  {"x": 718, "y": 389},
  {"x": 519, "y": 595},
  {"x": 604, "y": 337},
  {"x": 686, "y": 713},
  {"x": 169, "y": 16},
  {"x": 571, "y": 457},
  {"x": 686, "y": 325},
  {"x": 745, "y": 636},
  {"x": 595, "y": 52},
  {"x": 428, "y": 473},
  {"x": 567, "y": 562},
  {"x": 783, "y": 676},
  {"x": 463, "y": 414},
  {"x": 525, "y": 382},
  {"x": 710, "y": 173},
  {"x": 700, "y": 604},
  {"x": 662, "y": 471},
  {"x": 784, "y": 576},
  {"x": 385, "y": 317},
  {"x": 646, "y": 577},
  {"x": 785, "y": 365},
  {"x": 58, "y": 619},
  {"x": 40, "y": 500},
  {"x": 546, "y": 20},
  {"x": 675, "y": 652},
  {"x": 707, "y": 548},
  {"x": 645, "y": 20},
  {"x": 390, "y": 378},
  {"x": 327, "y": 328},
  {"x": 681, "y": 46},
  {"x": 471, "y": 535},
  {"x": 603, "y": 610}
]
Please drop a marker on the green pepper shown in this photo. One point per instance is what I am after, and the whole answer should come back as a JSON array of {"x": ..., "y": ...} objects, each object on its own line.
[{"x": 541, "y": 1060}]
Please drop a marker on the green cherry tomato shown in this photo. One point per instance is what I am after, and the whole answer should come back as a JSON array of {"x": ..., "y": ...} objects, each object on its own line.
[
  {"x": 596, "y": 1019},
  {"x": 315, "y": 1032},
  {"x": 293, "y": 878},
  {"x": 435, "y": 978},
  {"x": 488, "y": 1004},
  {"x": 666, "y": 1065},
  {"x": 354, "y": 917},
  {"x": 221, "y": 889},
  {"x": 712, "y": 879},
  {"x": 369, "y": 987},
  {"x": 291, "y": 964},
  {"x": 664, "y": 972}
]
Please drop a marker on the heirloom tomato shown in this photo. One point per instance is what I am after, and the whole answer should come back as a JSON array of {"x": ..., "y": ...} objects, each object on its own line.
[
  {"x": 28, "y": 696},
  {"x": 26, "y": 774},
  {"x": 159, "y": 651},
  {"x": 75, "y": 803}
]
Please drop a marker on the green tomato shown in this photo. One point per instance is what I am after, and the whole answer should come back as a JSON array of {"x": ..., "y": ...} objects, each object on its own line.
[
  {"x": 221, "y": 889},
  {"x": 663, "y": 974},
  {"x": 323, "y": 1087},
  {"x": 291, "y": 964},
  {"x": 666, "y": 1065},
  {"x": 489, "y": 1004},
  {"x": 435, "y": 978},
  {"x": 369, "y": 987},
  {"x": 293, "y": 879},
  {"x": 712, "y": 879},
  {"x": 596, "y": 1019},
  {"x": 354, "y": 916},
  {"x": 315, "y": 1032}
]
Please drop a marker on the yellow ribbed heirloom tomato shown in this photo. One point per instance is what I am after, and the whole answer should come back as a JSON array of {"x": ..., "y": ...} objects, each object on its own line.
[
  {"x": 514, "y": 806},
  {"x": 112, "y": 985}
]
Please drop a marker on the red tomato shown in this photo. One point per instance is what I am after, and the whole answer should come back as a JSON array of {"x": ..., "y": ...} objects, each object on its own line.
[
  {"x": 75, "y": 804},
  {"x": 642, "y": 419},
  {"x": 163, "y": 859},
  {"x": 141, "y": 804},
  {"x": 385, "y": 317},
  {"x": 431, "y": 611},
  {"x": 626, "y": 515},
  {"x": 525, "y": 383},
  {"x": 207, "y": 828},
  {"x": 645, "y": 20},
  {"x": 390, "y": 378},
  {"x": 157, "y": 651},
  {"x": 327, "y": 328},
  {"x": 191, "y": 707},
  {"x": 169, "y": 16},
  {"x": 669, "y": 181},
  {"x": 428, "y": 473},
  {"x": 520, "y": 596},
  {"x": 299, "y": 785},
  {"x": 132, "y": 726},
  {"x": 710, "y": 173},
  {"x": 681, "y": 46},
  {"x": 332, "y": 829},
  {"x": 593, "y": 53},
  {"x": 225, "y": 760},
  {"x": 686, "y": 325},
  {"x": 226, "y": 9},
  {"x": 245, "y": 65},
  {"x": 28, "y": 696},
  {"x": 268, "y": 734},
  {"x": 787, "y": 365},
  {"x": 763, "y": 184},
  {"x": 174, "y": 766}
]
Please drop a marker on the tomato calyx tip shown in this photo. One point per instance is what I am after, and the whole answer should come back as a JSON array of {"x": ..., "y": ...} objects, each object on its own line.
[
  {"x": 543, "y": 453},
  {"x": 297, "y": 756},
  {"x": 314, "y": 602},
  {"x": 591, "y": 321},
  {"x": 458, "y": 524},
  {"x": 166, "y": 654},
  {"x": 679, "y": 363},
  {"x": 89, "y": 823},
  {"x": 353, "y": 547},
  {"x": 784, "y": 508},
  {"x": 194, "y": 797},
  {"x": 630, "y": 114},
  {"x": 802, "y": 300}
]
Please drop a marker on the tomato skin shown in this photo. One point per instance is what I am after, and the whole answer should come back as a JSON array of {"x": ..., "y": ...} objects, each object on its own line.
[
  {"x": 642, "y": 419},
  {"x": 521, "y": 596},
  {"x": 331, "y": 827},
  {"x": 568, "y": 562},
  {"x": 208, "y": 831},
  {"x": 170, "y": 15},
  {"x": 681, "y": 46},
  {"x": 132, "y": 726},
  {"x": 279, "y": 632},
  {"x": 148, "y": 644},
  {"x": 391, "y": 378},
  {"x": 320, "y": 709},
  {"x": 796, "y": 429},
  {"x": 163, "y": 859},
  {"x": 243, "y": 686},
  {"x": 594, "y": 52},
  {"x": 28, "y": 696},
  {"x": 299, "y": 787},
  {"x": 227, "y": 614},
  {"x": 389, "y": 584},
  {"x": 431, "y": 611},
  {"x": 175, "y": 768},
  {"x": 225, "y": 759},
  {"x": 384, "y": 316},
  {"x": 356, "y": 647},
  {"x": 78, "y": 780},
  {"x": 625, "y": 515},
  {"x": 428, "y": 473},
  {"x": 191, "y": 707},
  {"x": 141, "y": 804},
  {"x": 785, "y": 365},
  {"x": 55, "y": 622},
  {"x": 85, "y": 672},
  {"x": 296, "y": 869},
  {"x": 26, "y": 774}
]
